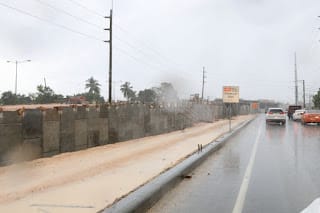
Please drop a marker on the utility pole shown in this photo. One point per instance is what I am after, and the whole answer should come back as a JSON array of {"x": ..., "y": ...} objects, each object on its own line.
[
  {"x": 203, "y": 78},
  {"x": 16, "y": 82},
  {"x": 296, "y": 78},
  {"x": 110, "y": 54},
  {"x": 16, "y": 62},
  {"x": 304, "y": 94}
]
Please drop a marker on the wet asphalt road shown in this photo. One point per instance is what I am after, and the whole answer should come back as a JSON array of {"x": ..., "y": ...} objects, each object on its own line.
[{"x": 281, "y": 166}]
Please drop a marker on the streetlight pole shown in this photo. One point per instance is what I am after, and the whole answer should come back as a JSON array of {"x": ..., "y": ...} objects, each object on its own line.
[{"x": 16, "y": 62}]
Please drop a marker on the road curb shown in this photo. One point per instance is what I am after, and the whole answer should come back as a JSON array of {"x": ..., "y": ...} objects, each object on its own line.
[{"x": 147, "y": 195}]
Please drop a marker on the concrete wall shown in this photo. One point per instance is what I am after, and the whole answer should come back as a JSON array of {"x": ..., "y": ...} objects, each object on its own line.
[
  {"x": 34, "y": 133},
  {"x": 31, "y": 134},
  {"x": 10, "y": 135},
  {"x": 51, "y": 132}
]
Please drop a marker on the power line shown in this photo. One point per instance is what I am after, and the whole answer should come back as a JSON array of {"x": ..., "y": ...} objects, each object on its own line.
[
  {"x": 52, "y": 23},
  {"x": 135, "y": 48},
  {"x": 155, "y": 51},
  {"x": 72, "y": 30},
  {"x": 140, "y": 50},
  {"x": 64, "y": 27},
  {"x": 142, "y": 62},
  {"x": 135, "y": 58},
  {"x": 121, "y": 28},
  {"x": 87, "y": 9},
  {"x": 145, "y": 53},
  {"x": 69, "y": 14}
]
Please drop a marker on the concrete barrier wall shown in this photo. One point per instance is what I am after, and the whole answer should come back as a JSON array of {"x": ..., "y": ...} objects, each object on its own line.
[
  {"x": 51, "y": 132},
  {"x": 81, "y": 128},
  {"x": 34, "y": 133},
  {"x": 67, "y": 134},
  {"x": 10, "y": 135},
  {"x": 31, "y": 146}
]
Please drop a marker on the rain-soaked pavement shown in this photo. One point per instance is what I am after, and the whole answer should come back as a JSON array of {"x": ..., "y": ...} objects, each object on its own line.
[{"x": 265, "y": 168}]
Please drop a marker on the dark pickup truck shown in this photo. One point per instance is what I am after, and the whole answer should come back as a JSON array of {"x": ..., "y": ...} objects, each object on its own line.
[{"x": 292, "y": 109}]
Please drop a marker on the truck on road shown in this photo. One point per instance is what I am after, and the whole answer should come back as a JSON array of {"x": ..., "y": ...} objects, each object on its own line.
[{"x": 292, "y": 109}]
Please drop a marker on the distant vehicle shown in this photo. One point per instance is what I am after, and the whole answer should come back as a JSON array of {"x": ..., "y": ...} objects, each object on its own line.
[
  {"x": 311, "y": 116},
  {"x": 276, "y": 115},
  {"x": 292, "y": 109},
  {"x": 297, "y": 114}
]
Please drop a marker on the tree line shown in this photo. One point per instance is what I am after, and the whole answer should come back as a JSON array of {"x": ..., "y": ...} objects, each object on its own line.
[
  {"x": 316, "y": 100},
  {"x": 45, "y": 94},
  {"x": 164, "y": 93}
]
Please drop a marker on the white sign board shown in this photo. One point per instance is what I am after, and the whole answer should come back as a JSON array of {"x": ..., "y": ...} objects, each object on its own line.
[{"x": 230, "y": 94}]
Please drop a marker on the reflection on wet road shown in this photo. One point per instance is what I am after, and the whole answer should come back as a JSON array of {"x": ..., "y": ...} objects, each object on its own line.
[{"x": 285, "y": 174}]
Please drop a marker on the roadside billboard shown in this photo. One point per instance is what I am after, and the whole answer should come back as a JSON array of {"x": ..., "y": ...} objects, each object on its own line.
[
  {"x": 255, "y": 105},
  {"x": 230, "y": 94}
]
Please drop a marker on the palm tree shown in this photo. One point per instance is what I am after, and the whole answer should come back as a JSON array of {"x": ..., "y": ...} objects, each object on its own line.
[
  {"x": 93, "y": 86},
  {"x": 126, "y": 89}
]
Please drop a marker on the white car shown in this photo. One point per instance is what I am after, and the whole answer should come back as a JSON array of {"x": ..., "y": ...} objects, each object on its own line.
[
  {"x": 276, "y": 115},
  {"x": 297, "y": 114}
]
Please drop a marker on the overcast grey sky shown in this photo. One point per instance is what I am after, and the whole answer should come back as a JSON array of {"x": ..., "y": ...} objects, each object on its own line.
[{"x": 248, "y": 43}]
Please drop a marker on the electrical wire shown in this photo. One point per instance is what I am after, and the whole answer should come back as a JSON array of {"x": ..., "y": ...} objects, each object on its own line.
[
  {"x": 100, "y": 15},
  {"x": 80, "y": 33},
  {"x": 143, "y": 52},
  {"x": 134, "y": 58},
  {"x": 117, "y": 37},
  {"x": 142, "y": 62},
  {"x": 73, "y": 31},
  {"x": 139, "y": 50},
  {"x": 155, "y": 51},
  {"x": 90, "y": 23},
  {"x": 52, "y": 23},
  {"x": 87, "y": 9},
  {"x": 69, "y": 14}
]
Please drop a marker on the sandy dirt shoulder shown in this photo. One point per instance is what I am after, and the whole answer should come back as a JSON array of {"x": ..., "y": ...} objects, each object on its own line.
[{"x": 90, "y": 180}]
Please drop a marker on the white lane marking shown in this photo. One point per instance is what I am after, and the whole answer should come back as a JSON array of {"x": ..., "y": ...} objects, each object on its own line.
[{"x": 246, "y": 179}]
